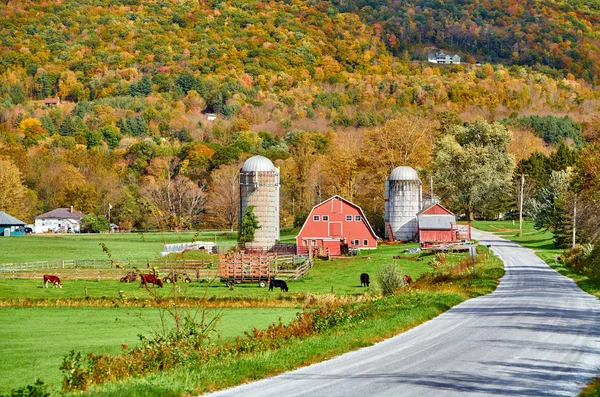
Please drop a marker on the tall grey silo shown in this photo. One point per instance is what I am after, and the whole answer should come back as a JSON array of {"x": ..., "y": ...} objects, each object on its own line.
[
  {"x": 259, "y": 186},
  {"x": 403, "y": 192}
]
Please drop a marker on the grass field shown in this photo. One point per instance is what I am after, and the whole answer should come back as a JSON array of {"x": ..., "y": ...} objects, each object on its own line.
[
  {"x": 338, "y": 276},
  {"x": 122, "y": 246},
  {"x": 34, "y": 340},
  {"x": 115, "y": 312}
]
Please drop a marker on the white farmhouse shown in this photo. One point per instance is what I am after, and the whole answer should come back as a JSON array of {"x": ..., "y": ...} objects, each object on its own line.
[
  {"x": 442, "y": 58},
  {"x": 59, "y": 220}
]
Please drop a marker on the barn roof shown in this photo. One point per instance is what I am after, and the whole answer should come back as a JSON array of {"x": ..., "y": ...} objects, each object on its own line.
[
  {"x": 437, "y": 222},
  {"x": 425, "y": 210},
  {"x": 62, "y": 213},
  {"x": 7, "y": 220},
  {"x": 362, "y": 214}
]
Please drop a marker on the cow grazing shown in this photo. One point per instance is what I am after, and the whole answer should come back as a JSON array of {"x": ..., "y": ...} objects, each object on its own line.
[
  {"x": 277, "y": 284},
  {"x": 54, "y": 280},
  {"x": 151, "y": 279},
  {"x": 408, "y": 279},
  {"x": 129, "y": 278},
  {"x": 364, "y": 280}
]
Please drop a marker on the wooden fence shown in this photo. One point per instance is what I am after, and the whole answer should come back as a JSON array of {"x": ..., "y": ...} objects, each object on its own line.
[
  {"x": 289, "y": 267},
  {"x": 197, "y": 270}
]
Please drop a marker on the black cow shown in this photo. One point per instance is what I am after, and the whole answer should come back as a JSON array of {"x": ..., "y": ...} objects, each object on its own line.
[
  {"x": 277, "y": 284},
  {"x": 364, "y": 280}
]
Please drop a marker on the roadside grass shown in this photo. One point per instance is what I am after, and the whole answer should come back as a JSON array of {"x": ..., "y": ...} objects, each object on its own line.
[
  {"x": 543, "y": 244},
  {"x": 34, "y": 340},
  {"x": 388, "y": 317}
]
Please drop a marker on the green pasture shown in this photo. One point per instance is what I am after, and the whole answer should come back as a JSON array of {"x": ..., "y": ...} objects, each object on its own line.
[
  {"x": 33, "y": 340},
  {"x": 122, "y": 246},
  {"x": 338, "y": 276}
]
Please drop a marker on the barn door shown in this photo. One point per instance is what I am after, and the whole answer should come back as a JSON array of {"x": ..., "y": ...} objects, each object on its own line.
[{"x": 335, "y": 229}]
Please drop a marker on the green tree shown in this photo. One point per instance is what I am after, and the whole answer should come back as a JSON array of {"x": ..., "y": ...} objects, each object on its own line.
[
  {"x": 551, "y": 208},
  {"x": 472, "y": 166},
  {"x": 94, "y": 224},
  {"x": 248, "y": 226}
]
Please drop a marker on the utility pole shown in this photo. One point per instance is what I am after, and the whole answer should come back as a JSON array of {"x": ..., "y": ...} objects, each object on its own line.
[
  {"x": 574, "y": 222},
  {"x": 521, "y": 206},
  {"x": 431, "y": 188}
]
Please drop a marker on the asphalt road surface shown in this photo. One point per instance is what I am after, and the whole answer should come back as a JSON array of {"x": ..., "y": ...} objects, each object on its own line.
[{"x": 538, "y": 334}]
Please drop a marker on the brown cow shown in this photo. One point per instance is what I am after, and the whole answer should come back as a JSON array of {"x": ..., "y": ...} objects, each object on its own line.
[
  {"x": 151, "y": 279},
  {"x": 54, "y": 280}
]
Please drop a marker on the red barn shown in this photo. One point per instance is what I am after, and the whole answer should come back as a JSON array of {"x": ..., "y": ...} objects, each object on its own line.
[
  {"x": 334, "y": 222},
  {"x": 437, "y": 225}
]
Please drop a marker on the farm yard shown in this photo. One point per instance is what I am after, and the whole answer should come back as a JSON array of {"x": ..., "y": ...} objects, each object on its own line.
[{"x": 100, "y": 316}]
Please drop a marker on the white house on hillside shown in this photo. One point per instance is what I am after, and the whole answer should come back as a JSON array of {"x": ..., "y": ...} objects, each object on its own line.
[
  {"x": 441, "y": 57},
  {"x": 60, "y": 220}
]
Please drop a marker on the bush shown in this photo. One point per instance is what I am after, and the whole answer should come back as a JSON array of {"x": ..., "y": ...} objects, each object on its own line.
[
  {"x": 38, "y": 389},
  {"x": 94, "y": 224},
  {"x": 390, "y": 279}
]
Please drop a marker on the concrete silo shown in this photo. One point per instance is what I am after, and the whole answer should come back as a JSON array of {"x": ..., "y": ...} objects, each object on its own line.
[
  {"x": 259, "y": 186},
  {"x": 403, "y": 192}
]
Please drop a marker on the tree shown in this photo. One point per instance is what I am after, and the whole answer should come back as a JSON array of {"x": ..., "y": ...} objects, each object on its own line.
[
  {"x": 13, "y": 194},
  {"x": 248, "y": 226},
  {"x": 551, "y": 208},
  {"x": 223, "y": 200},
  {"x": 176, "y": 200},
  {"x": 94, "y": 224},
  {"x": 472, "y": 166}
]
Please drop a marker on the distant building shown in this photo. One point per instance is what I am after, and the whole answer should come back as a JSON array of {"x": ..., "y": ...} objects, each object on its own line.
[
  {"x": 11, "y": 226},
  {"x": 335, "y": 223},
  {"x": 443, "y": 58},
  {"x": 52, "y": 101},
  {"x": 60, "y": 220},
  {"x": 437, "y": 225}
]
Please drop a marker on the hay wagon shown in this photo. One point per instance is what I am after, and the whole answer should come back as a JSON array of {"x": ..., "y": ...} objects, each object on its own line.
[{"x": 236, "y": 268}]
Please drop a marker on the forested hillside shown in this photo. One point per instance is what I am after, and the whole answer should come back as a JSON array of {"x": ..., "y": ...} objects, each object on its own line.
[
  {"x": 559, "y": 35},
  {"x": 312, "y": 88}
]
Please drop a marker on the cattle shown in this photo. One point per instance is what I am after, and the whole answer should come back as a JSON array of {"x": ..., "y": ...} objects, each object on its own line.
[
  {"x": 277, "y": 284},
  {"x": 129, "y": 278},
  {"x": 364, "y": 280},
  {"x": 151, "y": 279},
  {"x": 54, "y": 280},
  {"x": 408, "y": 279}
]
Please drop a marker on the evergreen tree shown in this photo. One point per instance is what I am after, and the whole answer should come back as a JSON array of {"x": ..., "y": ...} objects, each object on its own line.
[{"x": 248, "y": 226}]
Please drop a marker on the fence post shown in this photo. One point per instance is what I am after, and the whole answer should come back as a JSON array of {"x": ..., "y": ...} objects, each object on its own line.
[{"x": 98, "y": 274}]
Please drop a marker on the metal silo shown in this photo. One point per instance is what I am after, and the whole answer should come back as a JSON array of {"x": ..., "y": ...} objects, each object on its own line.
[
  {"x": 403, "y": 193},
  {"x": 259, "y": 186}
]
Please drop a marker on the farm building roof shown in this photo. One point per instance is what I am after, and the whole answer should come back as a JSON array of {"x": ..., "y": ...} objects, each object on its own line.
[
  {"x": 404, "y": 173},
  {"x": 62, "y": 213},
  {"x": 7, "y": 220},
  {"x": 362, "y": 214},
  {"x": 258, "y": 164},
  {"x": 436, "y": 222}
]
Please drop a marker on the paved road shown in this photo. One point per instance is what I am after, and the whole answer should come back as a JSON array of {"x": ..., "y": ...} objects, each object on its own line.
[{"x": 538, "y": 334}]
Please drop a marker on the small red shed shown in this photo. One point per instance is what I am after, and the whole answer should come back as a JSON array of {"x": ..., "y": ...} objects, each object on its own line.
[
  {"x": 334, "y": 222},
  {"x": 437, "y": 225}
]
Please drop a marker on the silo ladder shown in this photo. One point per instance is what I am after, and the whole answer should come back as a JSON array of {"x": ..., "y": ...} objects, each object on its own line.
[{"x": 390, "y": 233}]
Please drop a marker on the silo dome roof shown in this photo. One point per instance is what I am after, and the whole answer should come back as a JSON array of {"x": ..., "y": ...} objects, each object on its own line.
[
  {"x": 404, "y": 174},
  {"x": 258, "y": 164}
]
